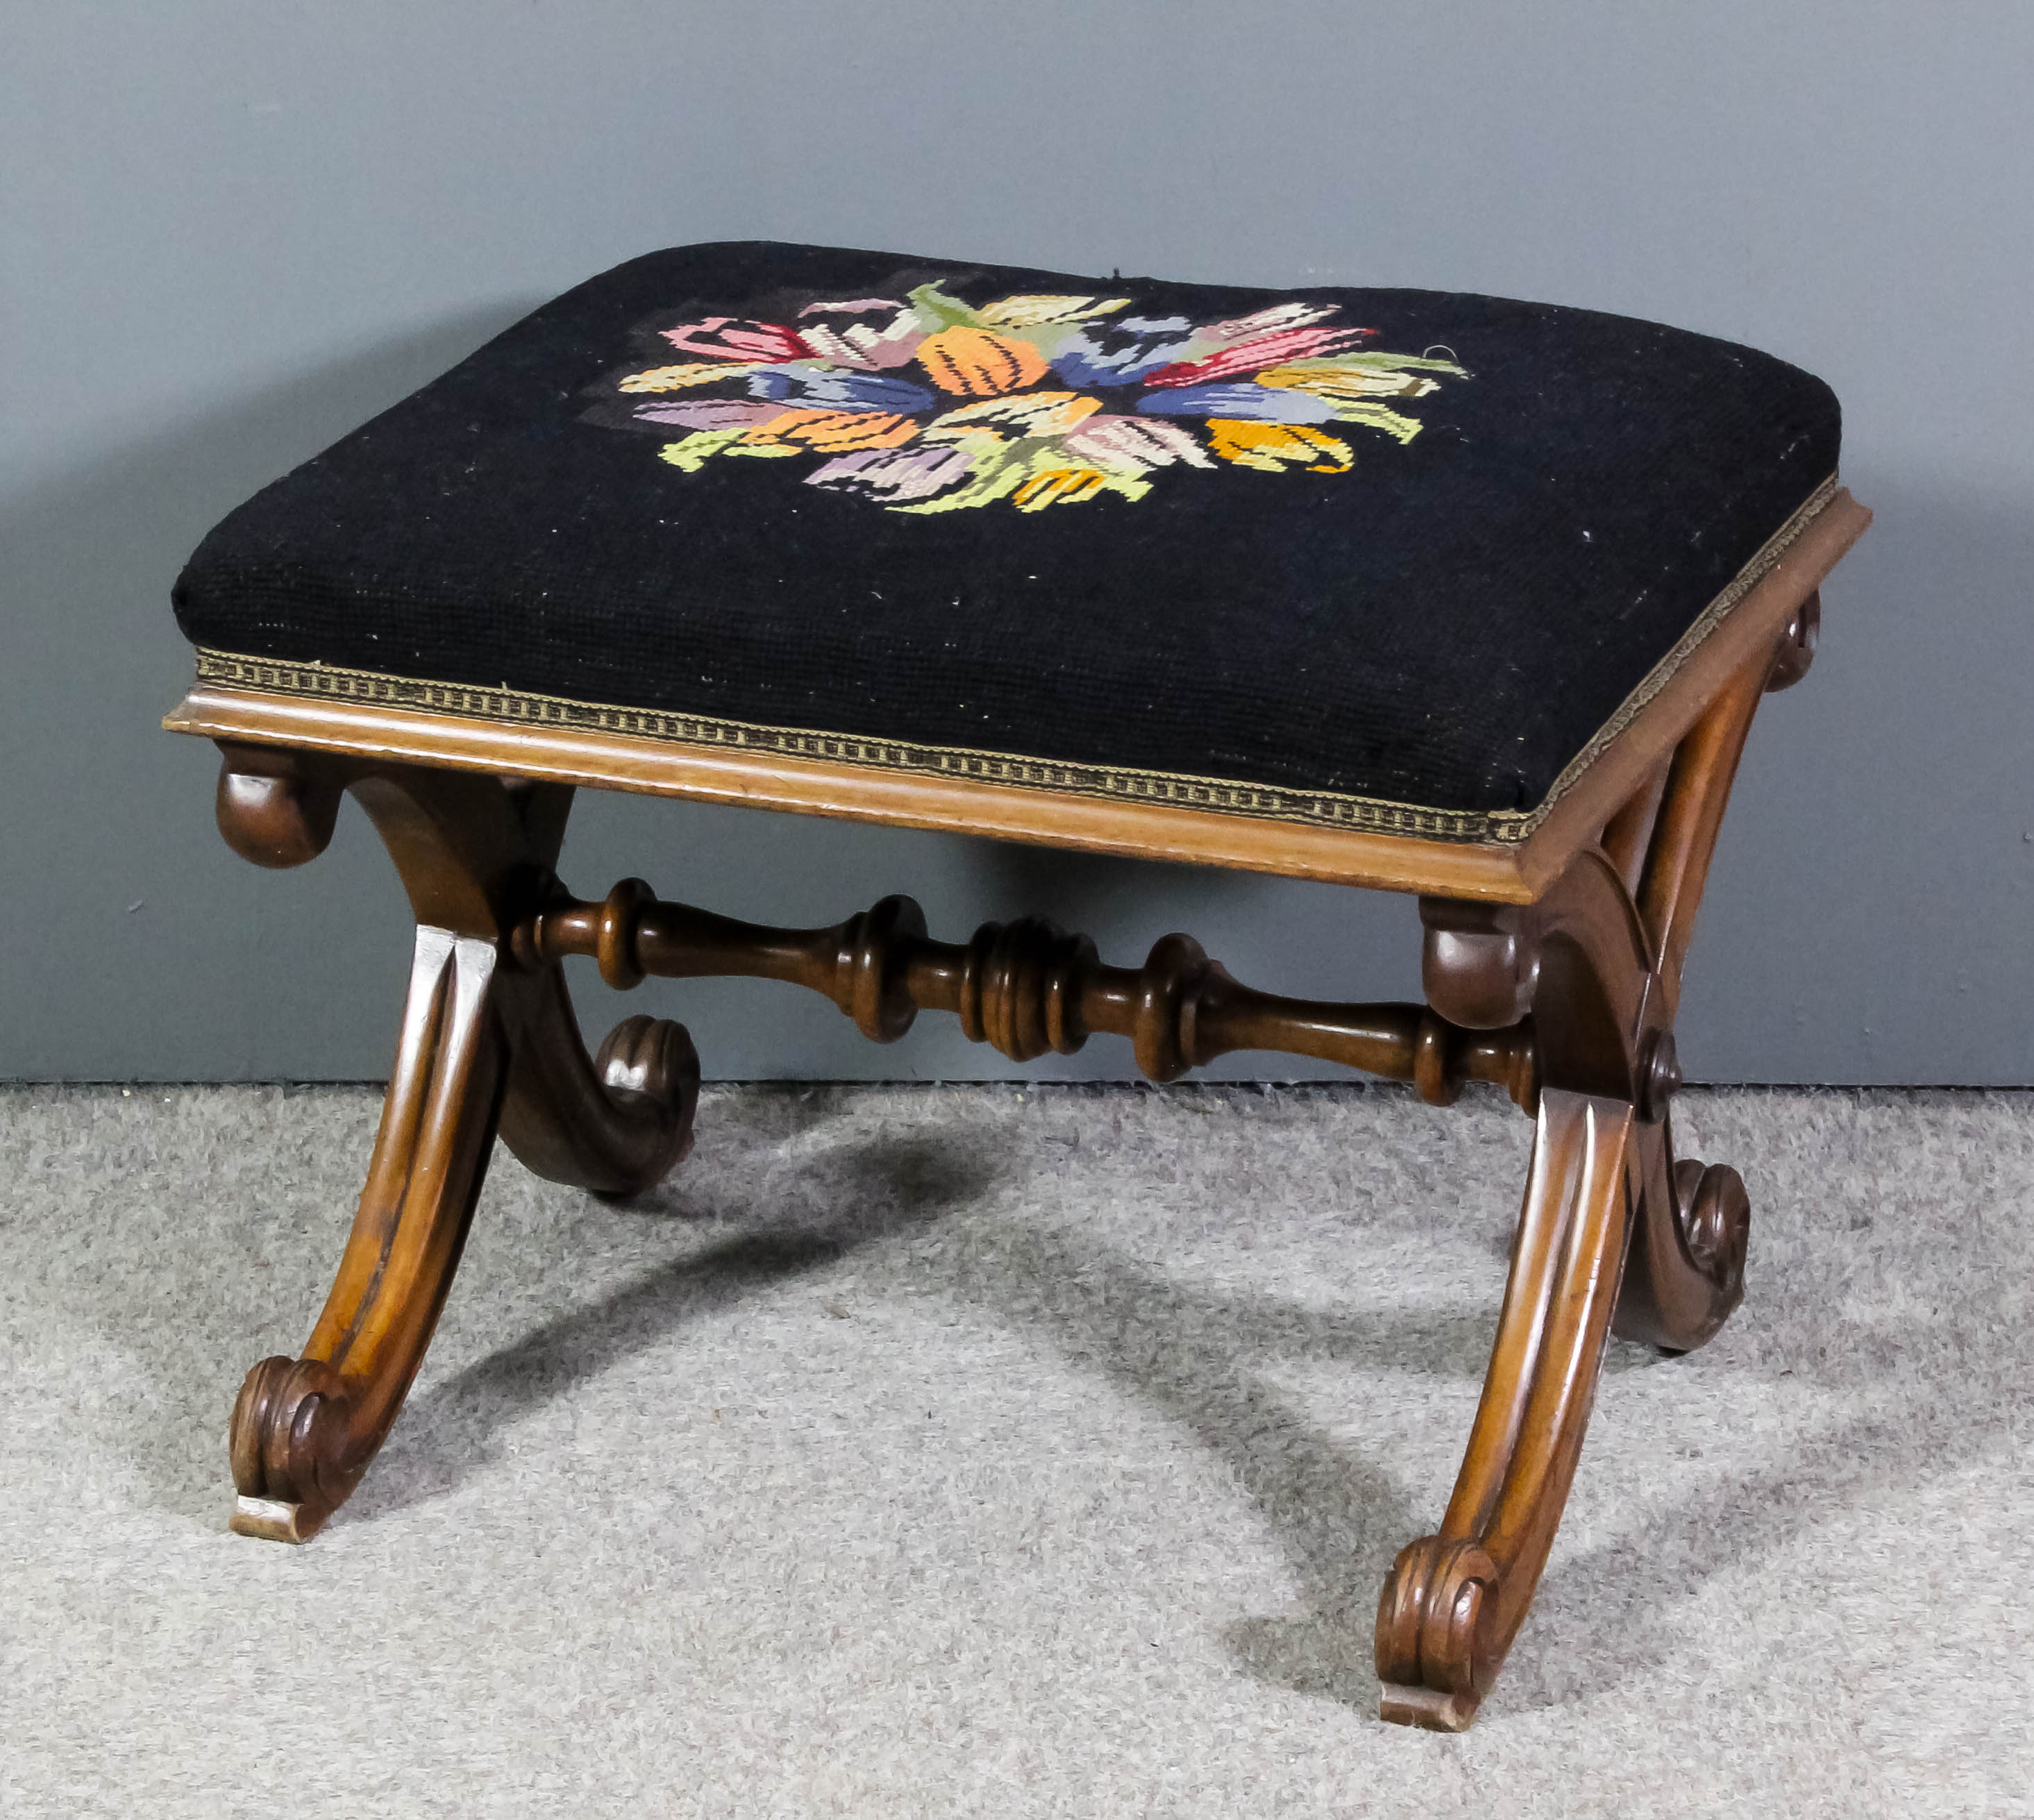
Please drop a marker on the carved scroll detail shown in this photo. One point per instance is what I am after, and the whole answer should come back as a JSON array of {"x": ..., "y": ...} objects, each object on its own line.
[
  {"x": 273, "y": 810},
  {"x": 617, "y": 1125},
  {"x": 1797, "y": 645},
  {"x": 1689, "y": 1240}
]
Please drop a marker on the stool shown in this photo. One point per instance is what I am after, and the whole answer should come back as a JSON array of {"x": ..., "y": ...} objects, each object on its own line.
[{"x": 1422, "y": 592}]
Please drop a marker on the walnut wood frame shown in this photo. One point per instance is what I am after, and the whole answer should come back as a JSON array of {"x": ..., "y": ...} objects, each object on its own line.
[{"x": 1551, "y": 967}]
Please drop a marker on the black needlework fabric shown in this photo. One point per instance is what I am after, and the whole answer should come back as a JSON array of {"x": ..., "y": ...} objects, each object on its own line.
[{"x": 1115, "y": 522}]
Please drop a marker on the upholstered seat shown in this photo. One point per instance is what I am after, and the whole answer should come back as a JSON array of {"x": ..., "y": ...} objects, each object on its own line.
[{"x": 1311, "y": 554}]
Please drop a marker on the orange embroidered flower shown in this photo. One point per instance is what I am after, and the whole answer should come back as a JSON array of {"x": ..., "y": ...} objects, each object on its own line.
[
  {"x": 1062, "y": 485},
  {"x": 832, "y": 432},
  {"x": 981, "y": 365},
  {"x": 1271, "y": 446}
]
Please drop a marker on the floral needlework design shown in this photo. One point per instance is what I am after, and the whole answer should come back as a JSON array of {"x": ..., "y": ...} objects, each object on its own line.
[{"x": 924, "y": 403}]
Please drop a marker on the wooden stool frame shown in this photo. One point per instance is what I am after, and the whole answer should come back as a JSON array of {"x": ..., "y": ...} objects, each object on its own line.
[{"x": 1552, "y": 966}]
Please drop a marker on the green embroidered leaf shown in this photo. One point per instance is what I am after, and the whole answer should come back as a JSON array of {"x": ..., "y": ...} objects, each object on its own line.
[
  {"x": 696, "y": 450},
  {"x": 1383, "y": 363},
  {"x": 937, "y": 310},
  {"x": 1375, "y": 416}
]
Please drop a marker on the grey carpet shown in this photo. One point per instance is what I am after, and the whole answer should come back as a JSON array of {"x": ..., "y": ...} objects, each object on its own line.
[{"x": 979, "y": 1451}]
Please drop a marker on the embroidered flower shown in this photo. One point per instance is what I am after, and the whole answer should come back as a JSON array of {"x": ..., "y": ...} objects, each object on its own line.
[{"x": 926, "y": 403}]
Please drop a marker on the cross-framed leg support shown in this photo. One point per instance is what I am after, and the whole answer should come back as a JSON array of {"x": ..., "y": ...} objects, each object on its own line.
[
  {"x": 1567, "y": 1002},
  {"x": 486, "y": 1046}
]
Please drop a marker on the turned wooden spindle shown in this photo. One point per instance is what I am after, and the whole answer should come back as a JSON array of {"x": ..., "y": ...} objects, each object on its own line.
[{"x": 1027, "y": 989}]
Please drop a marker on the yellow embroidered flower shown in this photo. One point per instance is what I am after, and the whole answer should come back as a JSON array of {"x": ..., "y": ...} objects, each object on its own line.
[
  {"x": 677, "y": 378},
  {"x": 1272, "y": 446},
  {"x": 1039, "y": 414},
  {"x": 1034, "y": 312}
]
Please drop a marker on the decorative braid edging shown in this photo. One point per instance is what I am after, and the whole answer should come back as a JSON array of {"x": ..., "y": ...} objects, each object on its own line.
[
  {"x": 331, "y": 682},
  {"x": 1320, "y": 809}
]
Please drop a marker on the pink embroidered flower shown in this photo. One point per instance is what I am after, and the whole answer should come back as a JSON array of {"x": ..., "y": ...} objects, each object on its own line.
[{"x": 724, "y": 338}]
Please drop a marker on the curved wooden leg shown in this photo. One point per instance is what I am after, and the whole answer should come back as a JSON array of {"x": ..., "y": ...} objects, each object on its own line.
[
  {"x": 1597, "y": 963},
  {"x": 488, "y": 1040},
  {"x": 304, "y": 1429},
  {"x": 1453, "y": 1602}
]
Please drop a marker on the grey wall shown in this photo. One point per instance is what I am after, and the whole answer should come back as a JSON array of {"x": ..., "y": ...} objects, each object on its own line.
[{"x": 231, "y": 232}]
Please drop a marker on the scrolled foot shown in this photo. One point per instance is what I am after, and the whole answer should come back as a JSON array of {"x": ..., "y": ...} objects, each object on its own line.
[
  {"x": 617, "y": 1122},
  {"x": 1685, "y": 1276},
  {"x": 1716, "y": 1220},
  {"x": 290, "y": 1442},
  {"x": 1436, "y": 1656},
  {"x": 651, "y": 1061}
]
